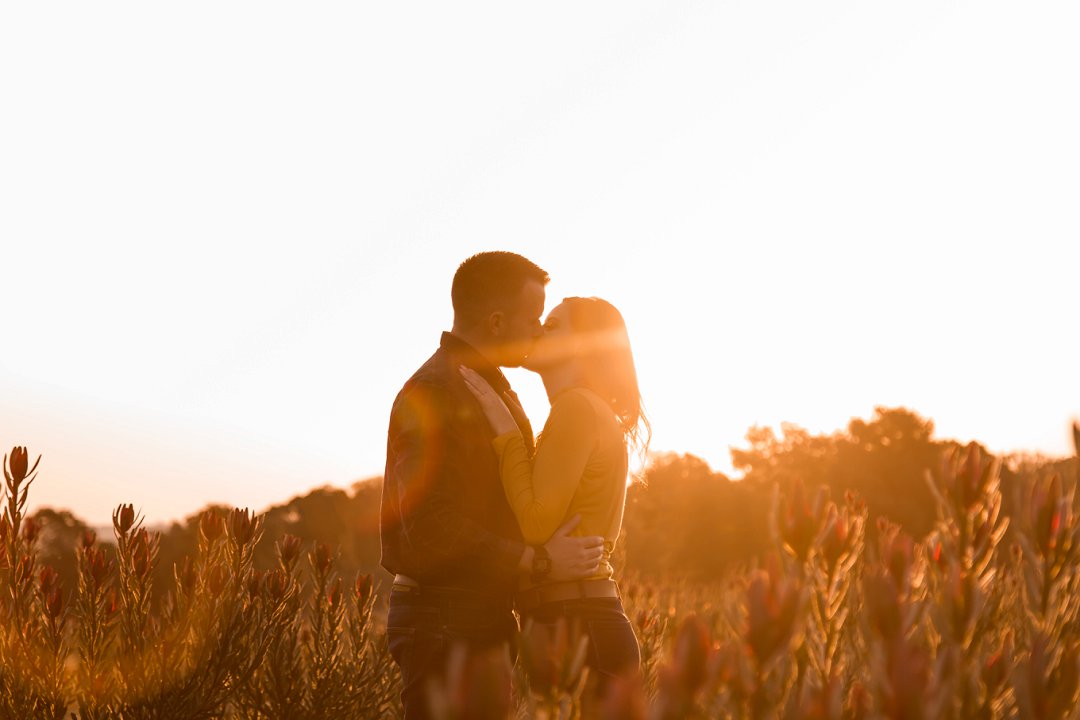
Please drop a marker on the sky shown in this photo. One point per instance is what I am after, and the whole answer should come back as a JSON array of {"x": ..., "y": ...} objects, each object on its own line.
[{"x": 228, "y": 229}]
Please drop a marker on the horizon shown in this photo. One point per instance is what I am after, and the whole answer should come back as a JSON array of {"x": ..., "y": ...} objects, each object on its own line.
[{"x": 734, "y": 476}]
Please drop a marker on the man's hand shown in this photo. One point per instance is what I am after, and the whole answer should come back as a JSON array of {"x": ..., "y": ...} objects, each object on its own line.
[{"x": 573, "y": 558}]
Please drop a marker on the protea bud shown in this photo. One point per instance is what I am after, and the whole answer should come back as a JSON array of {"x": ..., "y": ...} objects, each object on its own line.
[
  {"x": 333, "y": 594},
  {"x": 98, "y": 564},
  {"x": 897, "y": 551},
  {"x": 692, "y": 650},
  {"x": 277, "y": 582},
  {"x": 322, "y": 557},
  {"x": 185, "y": 575},
  {"x": 837, "y": 537},
  {"x": 17, "y": 468},
  {"x": 365, "y": 585},
  {"x": 772, "y": 609},
  {"x": 967, "y": 477},
  {"x": 288, "y": 550},
  {"x": 242, "y": 526},
  {"x": 1047, "y": 514},
  {"x": 799, "y": 520},
  {"x": 54, "y": 603},
  {"x": 112, "y": 603},
  {"x": 211, "y": 526},
  {"x": 88, "y": 539},
  {"x": 123, "y": 519},
  {"x": 48, "y": 579}
]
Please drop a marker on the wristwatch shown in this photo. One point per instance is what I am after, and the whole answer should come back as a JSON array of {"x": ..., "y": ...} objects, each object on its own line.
[{"x": 541, "y": 564}]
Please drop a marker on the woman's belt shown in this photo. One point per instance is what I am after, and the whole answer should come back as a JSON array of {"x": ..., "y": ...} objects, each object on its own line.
[{"x": 526, "y": 600}]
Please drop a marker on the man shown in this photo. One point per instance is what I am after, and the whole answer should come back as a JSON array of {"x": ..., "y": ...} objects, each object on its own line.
[{"x": 448, "y": 533}]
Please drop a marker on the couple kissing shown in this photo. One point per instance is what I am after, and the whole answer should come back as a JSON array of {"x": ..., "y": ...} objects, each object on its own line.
[{"x": 481, "y": 524}]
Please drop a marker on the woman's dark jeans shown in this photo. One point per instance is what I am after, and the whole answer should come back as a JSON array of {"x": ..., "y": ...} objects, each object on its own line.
[
  {"x": 423, "y": 630},
  {"x": 613, "y": 650}
]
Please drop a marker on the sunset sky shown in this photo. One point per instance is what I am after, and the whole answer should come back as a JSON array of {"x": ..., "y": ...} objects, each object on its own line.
[{"x": 228, "y": 230}]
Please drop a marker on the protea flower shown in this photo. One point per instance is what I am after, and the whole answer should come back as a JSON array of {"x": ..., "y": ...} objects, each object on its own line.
[
  {"x": 123, "y": 518},
  {"x": 18, "y": 469},
  {"x": 772, "y": 610},
  {"x": 1050, "y": 515},
  {"x": 365, "y": 586},
  {"x": 800, "y": 520},
  {"x": 211, "y": 526},
  {"x": 243, "y": 524},
  {"x": 288, "y": 551},
  {"x": 333, "y": 594},
  {"x": 54, "y": 603},
  {"x": 277, "y": 583},
  {"x": 321, "y": 557},
  {"x": 693, "y": 648}
]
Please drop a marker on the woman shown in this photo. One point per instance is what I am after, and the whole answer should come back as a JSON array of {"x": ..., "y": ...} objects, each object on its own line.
[{"x": 579, "y": 468}]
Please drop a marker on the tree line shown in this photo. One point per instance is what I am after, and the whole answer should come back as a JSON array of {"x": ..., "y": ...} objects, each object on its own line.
[{"x": 682, "y": 518}]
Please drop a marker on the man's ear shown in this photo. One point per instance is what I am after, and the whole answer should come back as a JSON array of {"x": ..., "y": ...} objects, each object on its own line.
[{"x": 496, "y": 323}]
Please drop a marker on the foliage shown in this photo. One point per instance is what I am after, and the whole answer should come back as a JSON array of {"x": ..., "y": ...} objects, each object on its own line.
[
  {"x": 225, "y": 641},
  {"x": 840, "y": 612}
]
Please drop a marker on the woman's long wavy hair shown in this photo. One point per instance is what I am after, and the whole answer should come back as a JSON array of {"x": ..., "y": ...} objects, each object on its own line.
[{"x": 608, "y": 365}]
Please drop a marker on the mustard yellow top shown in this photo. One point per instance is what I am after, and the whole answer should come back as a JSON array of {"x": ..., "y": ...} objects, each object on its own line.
[{"x": 579, "y": 468}]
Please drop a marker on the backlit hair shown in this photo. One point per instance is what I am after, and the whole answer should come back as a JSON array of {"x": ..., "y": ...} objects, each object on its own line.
[
  {"x": 488, "y": 282},
  {"x": 608, "y": 364}
]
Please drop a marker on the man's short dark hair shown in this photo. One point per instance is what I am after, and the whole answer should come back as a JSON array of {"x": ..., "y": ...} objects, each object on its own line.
[{"x": 490, "y": 281}]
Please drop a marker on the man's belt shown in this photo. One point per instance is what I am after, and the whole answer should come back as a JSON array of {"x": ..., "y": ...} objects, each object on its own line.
[{"x": 532, "y": 598}]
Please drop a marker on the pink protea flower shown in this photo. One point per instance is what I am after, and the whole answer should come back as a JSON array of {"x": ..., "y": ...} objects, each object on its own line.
[
  {"x": 800, "y": 520},
  {"x": 18, "y": 469},
  {"x": 277, "y": 583},
  {"x": 48, "y": 579},
  {"x": 772, "y": 610},
  {"x": 693, "y": 647},
  {"x": 123, "y": 518},
  {"x": 365, "y": 586},
  {"x": 1050, "y": 515},
  {"x": 288, "y": 550},
  {"x": 322, "y": 557},
  {"x": 243, "y": 524},
  {"x": 211, "y": 526}
]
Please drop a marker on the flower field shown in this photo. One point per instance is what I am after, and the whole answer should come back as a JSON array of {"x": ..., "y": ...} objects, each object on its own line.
[{"x": 847, "y": 616}]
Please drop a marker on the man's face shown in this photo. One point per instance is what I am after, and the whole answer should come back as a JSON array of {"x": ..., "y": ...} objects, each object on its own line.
[{"x": 521, "y": 325}]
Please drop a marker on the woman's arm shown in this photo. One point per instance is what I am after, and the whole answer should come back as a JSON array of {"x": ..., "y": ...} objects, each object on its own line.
[{"x": 540, "y": 490}]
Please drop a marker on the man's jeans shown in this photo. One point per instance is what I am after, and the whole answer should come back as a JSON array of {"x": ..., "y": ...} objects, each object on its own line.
[{"x": 426, "y": 630}]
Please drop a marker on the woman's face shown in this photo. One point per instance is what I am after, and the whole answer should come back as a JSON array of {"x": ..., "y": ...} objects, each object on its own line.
[{"x": 557, "y": 345}]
